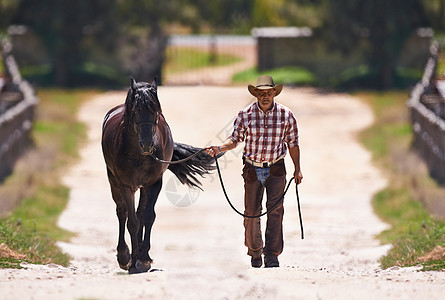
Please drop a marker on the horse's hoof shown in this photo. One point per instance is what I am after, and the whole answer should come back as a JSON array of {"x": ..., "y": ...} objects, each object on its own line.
[
  {"x": 134, "y": 270},
  {"x": 125, "y": 267},
  {"x": 143, "y": 266},
  {"x": 124, "y": 259}
]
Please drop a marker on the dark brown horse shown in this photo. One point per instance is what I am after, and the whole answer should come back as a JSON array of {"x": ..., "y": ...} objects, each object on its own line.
[{"x": 131, "y": 134}]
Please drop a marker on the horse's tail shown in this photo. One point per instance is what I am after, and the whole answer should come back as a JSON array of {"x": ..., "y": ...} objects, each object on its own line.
[{"x": 188, "y": 171}]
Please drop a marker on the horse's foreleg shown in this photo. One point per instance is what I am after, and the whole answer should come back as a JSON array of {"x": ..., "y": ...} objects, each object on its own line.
[
  {"x": 144, "y": 260},
  {"x": 123, "y": 253}
]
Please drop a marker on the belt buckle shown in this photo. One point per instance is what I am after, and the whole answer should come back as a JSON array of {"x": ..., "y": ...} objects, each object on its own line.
[{"x": 265, "y": 165}]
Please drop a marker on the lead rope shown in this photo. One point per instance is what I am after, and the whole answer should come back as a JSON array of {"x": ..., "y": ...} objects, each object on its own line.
[
  {"x": 227, "y": 197},
  {"x": 269, "y": 210},
  {"x": 175, "y": 162}
]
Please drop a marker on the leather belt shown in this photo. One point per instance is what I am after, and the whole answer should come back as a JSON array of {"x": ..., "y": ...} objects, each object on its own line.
[{"x": 266, "y": 164}]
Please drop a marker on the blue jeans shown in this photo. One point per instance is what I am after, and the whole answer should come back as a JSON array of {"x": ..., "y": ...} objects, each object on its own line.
[{"x": 262, "y": 174}]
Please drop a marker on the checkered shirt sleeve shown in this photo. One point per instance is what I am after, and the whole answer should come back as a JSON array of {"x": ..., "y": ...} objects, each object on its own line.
[{"x": 266, "y": 135}]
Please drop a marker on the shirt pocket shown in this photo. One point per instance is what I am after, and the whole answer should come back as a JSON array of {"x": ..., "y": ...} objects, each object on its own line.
[{"x": 278, "y": 129}]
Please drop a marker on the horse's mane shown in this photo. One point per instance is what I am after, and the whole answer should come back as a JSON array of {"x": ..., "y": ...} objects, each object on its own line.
[{"x": 143, "y": 97}]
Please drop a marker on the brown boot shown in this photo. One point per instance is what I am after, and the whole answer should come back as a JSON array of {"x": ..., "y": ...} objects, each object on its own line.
[
  {"x": 271, "y": 261},
  {"x": 256, "y": 262}
]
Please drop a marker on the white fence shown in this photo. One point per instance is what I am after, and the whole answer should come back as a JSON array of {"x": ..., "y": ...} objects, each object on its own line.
[
  {"x": 16, "y": 115},
  {"x": 427, "y": 116}
]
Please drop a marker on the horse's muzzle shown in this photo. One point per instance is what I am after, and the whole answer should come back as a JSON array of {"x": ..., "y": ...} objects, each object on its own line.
[{"x": 147, "y": 150}]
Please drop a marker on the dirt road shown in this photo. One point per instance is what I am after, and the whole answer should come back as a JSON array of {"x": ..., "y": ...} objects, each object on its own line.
[{"x": 197, "y": 241}]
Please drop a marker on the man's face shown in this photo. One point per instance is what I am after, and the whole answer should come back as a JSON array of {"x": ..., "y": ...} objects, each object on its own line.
[{"x": 265, "y": 98}]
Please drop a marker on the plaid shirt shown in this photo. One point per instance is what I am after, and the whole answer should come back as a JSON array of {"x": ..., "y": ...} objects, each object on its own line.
[{"x": 265, "y": 133}]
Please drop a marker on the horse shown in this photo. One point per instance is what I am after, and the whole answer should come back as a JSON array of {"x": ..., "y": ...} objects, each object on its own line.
[{"x": 133, "y": 134}]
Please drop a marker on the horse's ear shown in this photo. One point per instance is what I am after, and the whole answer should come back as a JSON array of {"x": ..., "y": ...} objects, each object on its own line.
[
  {"x": 154, "y": 84},
  {"x": 133, "y": 84}
]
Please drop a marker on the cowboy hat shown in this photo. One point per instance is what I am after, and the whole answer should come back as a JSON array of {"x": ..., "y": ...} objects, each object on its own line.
[{"x": 264, "y": 82}]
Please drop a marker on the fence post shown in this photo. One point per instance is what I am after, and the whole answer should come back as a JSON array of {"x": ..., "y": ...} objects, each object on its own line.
[
  {"x": 429, "y": 126},
  {"x": 16, "y": 120}
]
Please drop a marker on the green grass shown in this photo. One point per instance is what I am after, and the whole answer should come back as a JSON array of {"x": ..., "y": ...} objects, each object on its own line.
[
  {"x": 31, "y": 229},
  {"x": 10, "y": 263},
  {"x": 2, "y": 70},
  {"x": 289, "y": 75},
  {"x": 414, "y": 232}
]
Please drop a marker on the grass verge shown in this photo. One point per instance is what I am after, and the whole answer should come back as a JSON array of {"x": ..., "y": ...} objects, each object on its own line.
[
  {"x": 417, "y": 236},
  {"x": 294, "y": 76},
  {"x": 29, "y": 233}
]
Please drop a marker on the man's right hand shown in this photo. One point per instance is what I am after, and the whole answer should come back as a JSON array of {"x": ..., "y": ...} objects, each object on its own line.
[{"x": 213, "y": 150}]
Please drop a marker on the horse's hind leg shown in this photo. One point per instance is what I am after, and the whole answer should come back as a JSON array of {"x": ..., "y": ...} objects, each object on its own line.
[
  {"x": 140, "y": 212},
  {"x": 132, "y": 225},
  {"x": 151, "y": 194}
]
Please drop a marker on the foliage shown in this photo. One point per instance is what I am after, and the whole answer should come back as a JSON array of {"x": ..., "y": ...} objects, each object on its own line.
[
  {"x": 129, "y": 37},
  {"x": 383, "y": 26},
  {"x": 225, "y": 16},
  {"x": 365, "y": 78},
  {"x": 31, "y": 229},
  {"x": 435, "y": 9},
  {"x": 64, "y": 27},
  {"x": 8, "y": 9},
  {"x": 440, "y": 71},
  {"x": 413, "y": 233}
]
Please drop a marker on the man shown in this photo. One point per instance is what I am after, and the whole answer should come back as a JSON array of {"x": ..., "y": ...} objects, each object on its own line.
[{"x": 268, "y": 130}]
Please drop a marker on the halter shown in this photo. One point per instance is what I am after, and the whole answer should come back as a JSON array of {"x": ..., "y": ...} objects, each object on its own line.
[
  {"x": 153, "y": 124},
  {"x": 147, "y": 123}
]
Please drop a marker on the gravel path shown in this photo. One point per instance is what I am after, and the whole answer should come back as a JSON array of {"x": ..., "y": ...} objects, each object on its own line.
[{"x": 197, "y": 241}]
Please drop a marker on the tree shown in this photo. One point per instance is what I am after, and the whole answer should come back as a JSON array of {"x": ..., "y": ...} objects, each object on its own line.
[
  {"x": 8, "y": 9},
  {"x": 63, "y": 27},
  {"x": 225, "y": 16},
  {"x": 146, "y": 61},
  {"x": 435, "y": 9},
  {"x": 385, "y": 25}
]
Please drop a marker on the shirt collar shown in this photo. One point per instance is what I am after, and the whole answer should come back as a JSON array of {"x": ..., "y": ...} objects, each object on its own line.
[{"x": 274, "y": 108}]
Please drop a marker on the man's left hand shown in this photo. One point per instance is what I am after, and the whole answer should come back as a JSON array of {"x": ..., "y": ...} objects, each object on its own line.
[{"x": 298, "y": 176}]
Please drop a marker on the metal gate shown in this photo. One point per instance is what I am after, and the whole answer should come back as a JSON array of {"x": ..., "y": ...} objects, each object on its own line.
[{"x": 207, "y": 59}]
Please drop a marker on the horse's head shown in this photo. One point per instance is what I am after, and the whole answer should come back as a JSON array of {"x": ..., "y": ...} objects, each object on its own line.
[{"x": 142, "y": 110}]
